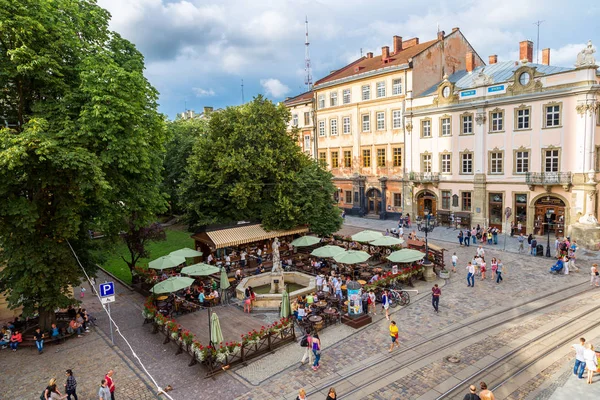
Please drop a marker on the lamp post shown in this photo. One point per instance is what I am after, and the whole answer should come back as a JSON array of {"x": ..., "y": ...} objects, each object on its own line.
[
  {"x": 428, "y": 228},
  {"x": 548, "y": 215}
]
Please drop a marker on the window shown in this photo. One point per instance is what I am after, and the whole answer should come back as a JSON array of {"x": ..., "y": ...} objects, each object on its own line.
[
  {"x": 346, "y": 125},
  {"x": 446, "y": 163},
  {"x": 295, "y": 120},
  {"x": 307, "y": 143},
  {"x": 522, "y": 120},
  {"x": 445, "y": 127},
  {"x": 467, "y": 124},
  {"x": 397, "y": 156},
  {"x": 426, "y": 128},
  {"x": 467, "y": 163},
  {"x": 348, "y": 199},
  {"x": 381, "y": 157},
  {"x": 321, "y": 101},
  {"x": 380, "y": 89},
  {"x": 551, "y": 160},
  {"x": 396, "y": 87},
  {"x": 333, "y": 127},
  {"x": 397, "y": 119},
  {"x": 346, "y": 96},
  {"x": 496, "y": 162},
  {"x": 335, "y": 161},
  {"x": 306, "y": 118},
  {"x": 552, "y": 116},
  {"x": 521, "y": 161},
  {"x": 321, "y": 128},
  {"x": 366, "y": 92},
  {"x": 380, "y": 121},
  {"x": 366, "y": 158},
  {"x": 497, "y": 121},
  {"x": 333, "y": 99},
  {"x": 366, "y": 123},
  {"x": 323, "y": 158},
  {"x": 347, "y": 158},
  {"x": 397, "y": 199},
  {"x": 426, "y": 162},
  {"x": 446, "y": 194},
  {"x": 466, "y": 201}
]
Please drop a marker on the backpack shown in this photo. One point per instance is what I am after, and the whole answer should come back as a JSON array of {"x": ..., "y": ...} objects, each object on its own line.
[{"x": 304, "y": 341}]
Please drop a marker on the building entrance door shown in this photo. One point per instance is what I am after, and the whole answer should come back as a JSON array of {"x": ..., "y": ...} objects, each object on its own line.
[
  {"x": 556, "y": 208},
  {"x": 426, "y": 201},
  {"x": 495, "y": 210},
  {"x": 374, "y": 201}
]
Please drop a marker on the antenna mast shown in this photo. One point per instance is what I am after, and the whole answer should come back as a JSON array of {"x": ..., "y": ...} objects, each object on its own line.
[
  {"x": 537, "y": 54},
  {"x": 242, "y": 91},
  {"x": 307, "y": 72}
]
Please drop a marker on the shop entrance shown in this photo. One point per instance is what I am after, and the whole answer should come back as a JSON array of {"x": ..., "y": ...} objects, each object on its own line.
[
  {"x": 556, "y": 209},
  {"x": 495, "y": 210},
  {"x": 426, "y": 200},
  {"x": 373, "y": 201}
]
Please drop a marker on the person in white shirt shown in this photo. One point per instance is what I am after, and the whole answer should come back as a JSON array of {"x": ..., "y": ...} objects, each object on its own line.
[
  {"x": 591, "y": 362},
  {"x": 401, "y": 232},
  {"x": 579, "y": 366},
  {"x": 319, "y": 283},
  {"x": 480, "y": 251},
  {"x": 470, "y": 275},
  {"x": 209, "y": 259},
  {"x": 243, "y": 259},
  {"x": 454, "y": 262}
]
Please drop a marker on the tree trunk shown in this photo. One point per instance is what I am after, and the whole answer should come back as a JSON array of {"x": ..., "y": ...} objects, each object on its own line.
[{"x": 47, "y": 318}]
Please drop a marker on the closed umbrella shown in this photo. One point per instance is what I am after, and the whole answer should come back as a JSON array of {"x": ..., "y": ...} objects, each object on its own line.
[
  {"x": 200, "y": 269},
  {"x": 406, "y": 256},
  {"x": 285, "y": 305},
  {"x": 224, "y": 279},
  {"x": 305, "y": 241},
  {"x": 166, "y": 262},
  {"x": 186, "y": 253},
  {"x": 172, "y": 285},
  {"x": 352, "y": 257},
  {"x": 387, "y": 241},
  {"x": 366, "y": 236},
  {"x": 216, "y": 335},
  {"x": 327, "y": 251}
]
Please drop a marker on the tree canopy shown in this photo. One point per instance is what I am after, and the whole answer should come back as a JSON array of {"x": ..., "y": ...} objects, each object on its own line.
[
  {"x": 249, "y": 167},
  {"x": 82, "y": 146}
]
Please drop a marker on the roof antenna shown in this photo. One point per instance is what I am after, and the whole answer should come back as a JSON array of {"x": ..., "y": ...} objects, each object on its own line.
[
  {"x": 361, "y": 52},
  {"x": 537, "y": 53},
  {"x": 307, "y": 71},
  {"x": 243, "y": 91}
]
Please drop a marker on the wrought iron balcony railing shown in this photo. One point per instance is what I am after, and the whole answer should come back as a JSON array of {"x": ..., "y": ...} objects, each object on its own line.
[
  {"x": 425, "y": 177},
  {"x": 548, "y": 178}
]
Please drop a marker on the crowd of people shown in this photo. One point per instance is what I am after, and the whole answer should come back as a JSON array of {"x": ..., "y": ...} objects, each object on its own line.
[
  {"x": 478, "y": 234},
  {"x": 106, "y": 389}
]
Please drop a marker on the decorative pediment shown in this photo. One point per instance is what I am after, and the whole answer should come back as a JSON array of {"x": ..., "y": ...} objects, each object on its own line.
[
  {"x": 497, "y": 110},
  {"x": 445, "y": 93},
  {"x": 521, "y": 147},
  {"x": 524, "y": 81},
  {"x": 496, "y": 149},
  {"x": 481, "y": 79}
]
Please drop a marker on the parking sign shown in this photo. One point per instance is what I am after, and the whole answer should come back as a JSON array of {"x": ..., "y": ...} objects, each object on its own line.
[{"x": 107, "y": 289}]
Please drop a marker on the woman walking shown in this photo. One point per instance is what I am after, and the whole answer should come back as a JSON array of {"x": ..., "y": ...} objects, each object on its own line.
[
  {"x": 460, "y": 238},
  {"x": 394, "y": 335},
  {"x": 371, "y": 302},
  {"x": 591, "y": 362},
  {"x": 331, "y": 395},
  {"x": 494, "y": 267},
  {"x": 482, "y": 268},
  {"x": 595, "y": 275},
  {"x": 316, "y": 348},
  {"x": 247, "y": 300},
  {"x": 385, "y": 303},
  {"x": 71, "y": 385}
]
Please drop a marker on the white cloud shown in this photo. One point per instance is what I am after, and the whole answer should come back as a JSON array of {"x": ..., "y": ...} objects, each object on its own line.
[
  {"x": 566, "y": 55},
  {"x": 203, "y": 92},
  {"x": 274, "y": 87}
]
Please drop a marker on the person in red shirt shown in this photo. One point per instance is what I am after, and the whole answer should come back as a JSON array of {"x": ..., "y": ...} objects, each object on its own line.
[
  {"x": 110, "y": 383},
  {"x": 15, "y": 339},
  {"x": 435, "y": 297}
]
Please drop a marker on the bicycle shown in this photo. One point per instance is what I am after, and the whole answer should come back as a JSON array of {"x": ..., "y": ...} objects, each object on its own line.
[{"x": 399, "y": 297}]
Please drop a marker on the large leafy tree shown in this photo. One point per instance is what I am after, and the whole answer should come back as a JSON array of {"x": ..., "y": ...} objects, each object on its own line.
[
  {"x": 81, "y": 149},
  {"x": 249, "y": 167}
]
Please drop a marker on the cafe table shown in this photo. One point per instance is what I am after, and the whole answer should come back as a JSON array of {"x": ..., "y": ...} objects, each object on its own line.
[
  {"x": 231, "y": 280},
  {"x": 162, "y": 298},
  {"x": 210, "y": 299},
  {"x": 362, "y": 282}
]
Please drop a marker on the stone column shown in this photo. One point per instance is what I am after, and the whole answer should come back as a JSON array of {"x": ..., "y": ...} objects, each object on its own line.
[
  {"x": 383, "y": 212},
  {"x": 358, "y": 194},
  {"x": 479, "y": 201},
  {"x": 480, "y": 149}
]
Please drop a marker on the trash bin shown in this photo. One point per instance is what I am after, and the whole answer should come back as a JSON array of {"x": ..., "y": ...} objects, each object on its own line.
[{"x": 539, "y": 250}]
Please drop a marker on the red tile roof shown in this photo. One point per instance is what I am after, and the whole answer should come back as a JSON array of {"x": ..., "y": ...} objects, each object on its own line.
[
  {"x": 365, "y": 64},
  {"x": 301, "y": 98}
]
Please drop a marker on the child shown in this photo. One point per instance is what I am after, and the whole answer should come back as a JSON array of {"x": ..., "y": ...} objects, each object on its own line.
[{"x": 82, "y": 292}]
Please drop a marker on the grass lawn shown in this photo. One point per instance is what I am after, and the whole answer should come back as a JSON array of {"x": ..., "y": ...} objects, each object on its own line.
[{"x": 177, "y": 238}]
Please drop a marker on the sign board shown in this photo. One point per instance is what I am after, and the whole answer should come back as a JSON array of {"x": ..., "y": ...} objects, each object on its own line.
[
  {"x": 107, "y": 299},
  {"x": 468, "y": 93},
  {"x": 497, "y": 89},
  {"x": 107, "y": 289}
]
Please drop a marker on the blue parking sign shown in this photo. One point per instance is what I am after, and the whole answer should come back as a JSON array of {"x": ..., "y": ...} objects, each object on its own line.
[{"x": 107, "y": 289}]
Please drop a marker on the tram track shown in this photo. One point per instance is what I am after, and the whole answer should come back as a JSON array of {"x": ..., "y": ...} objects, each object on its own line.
[{"x": 448, "y": 339}]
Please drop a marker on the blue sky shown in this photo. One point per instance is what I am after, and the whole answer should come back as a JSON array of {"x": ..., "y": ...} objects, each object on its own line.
[{"x": 198, "y": 51}]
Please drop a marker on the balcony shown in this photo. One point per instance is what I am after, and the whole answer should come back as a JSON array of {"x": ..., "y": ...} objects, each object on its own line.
[
  {"x": 548, "y": 179},
  {"x": 421, "y": 178}
]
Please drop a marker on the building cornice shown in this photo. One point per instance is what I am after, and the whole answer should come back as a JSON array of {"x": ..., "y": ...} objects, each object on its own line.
[{"x": 364, "y": 75}]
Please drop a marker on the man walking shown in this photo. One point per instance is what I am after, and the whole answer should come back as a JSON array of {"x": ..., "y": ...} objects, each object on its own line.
[
  {"x": 467, "y": 237},
  {"x": 454, "y": 262},
  {"x": 521, "y": 240},
  {"x": 579, "y": 366},
  {"x": 499, "y": 270},
  {"x": 472, "y": 395},
  {"x": 435, "y": 297},
  {"x": 110, "y": 383},
  {"x": 470, "y": 274},
  {"x": 104, "y": 391},
  {"x": 533, "y": 247}
]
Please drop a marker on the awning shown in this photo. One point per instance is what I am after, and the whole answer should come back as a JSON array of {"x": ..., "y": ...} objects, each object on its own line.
[{"x": 231, "y": 237}]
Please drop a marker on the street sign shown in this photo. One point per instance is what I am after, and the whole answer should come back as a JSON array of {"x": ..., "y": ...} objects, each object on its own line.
[
  {"x": 107, "y": 299},
  {"x": 107, "y": 289}
]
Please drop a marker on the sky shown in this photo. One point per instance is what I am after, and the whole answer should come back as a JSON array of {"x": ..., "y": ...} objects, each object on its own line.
[{"x": 198, "y": 52}]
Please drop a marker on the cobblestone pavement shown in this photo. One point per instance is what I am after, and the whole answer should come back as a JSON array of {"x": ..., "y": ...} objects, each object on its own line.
[{"x": 27, "y": 372}]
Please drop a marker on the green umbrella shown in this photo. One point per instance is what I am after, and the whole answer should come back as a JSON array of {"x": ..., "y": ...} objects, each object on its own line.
[
  {"x": 216, "y": 335},
  {"x": 305, "y": 241},
  {"x": 224, "y": 279},
  {"x": 406, "y": 256},
  {"x": 166, "y": 262},
  {"x": 172, "y": 284},
  {"x": 327, "y": 251},
  {"x": 200, "y": 269},
  {"x": 366, "y": 236},
  {"x": 352, "y": 257},
  {"x": 285, "y": 305},
  {"x": 185, "y": 252},
  {"x": 386, "y": 241}
]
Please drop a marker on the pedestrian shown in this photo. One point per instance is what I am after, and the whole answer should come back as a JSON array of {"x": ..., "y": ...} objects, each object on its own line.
[
  {"x": 110, "y": 382},
  {"x": 482, "y": 268},
  {"x": 472, "y": 395},
  {"x": 371, "y": 302},
  {"x": 521, "y": 240},
  {"x": 460, "y": 238},
  {"x": 595, "y": 278},
  {"x": 480, "y": 251},
  {"x": 572, "y": 265},
  {"x": 485, "y": 393},
  {"x": 394, "y": 335},
  {"x": 489, "y": 239},
  {"x": 474, "y": 233},
  {"x": 467, "y": 237},
  {"x": 39, "y": 339},
  {"x": 71, "y": 385},
  {"x": 436, "y": 292},
  {"x": 534, "y": 247},
  {"x": 15, "y": 339},
  {"x": 494, "y": 263},
  {"x": 591, "y": 362},
  {"x": 385, "y": 303},
  {"x": 82, "y": 292},
  {"x": 306, "y": 342},
  {"x": 247, "y": 300},
  {"x": 104, "y": 391},
  {"x": 579, "y": 366},
  {"x": 332, "y": 395},
  {"x": 499, "y": 270},
  {"x": 454, "y": 262},
  {"x": 495, "y": 235},
  {"x": 470, "y": 274},
  {"x": 301, "y": 394},
  {"x": 316, "y": 348}
]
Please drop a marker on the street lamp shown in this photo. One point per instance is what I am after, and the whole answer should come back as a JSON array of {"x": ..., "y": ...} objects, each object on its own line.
[
  {"x": 429, "y": 226},
  {"x": 548, "y": 223}
]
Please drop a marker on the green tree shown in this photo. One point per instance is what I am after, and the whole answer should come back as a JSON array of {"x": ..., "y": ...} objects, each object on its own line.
[
  {"x": 82, "y": 148},
  {"x": 137, "y": 237},
  {"x": 249, "y": 167}
]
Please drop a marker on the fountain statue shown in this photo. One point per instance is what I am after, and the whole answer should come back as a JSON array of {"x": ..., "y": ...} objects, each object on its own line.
[{"x": 277, "y": 283}]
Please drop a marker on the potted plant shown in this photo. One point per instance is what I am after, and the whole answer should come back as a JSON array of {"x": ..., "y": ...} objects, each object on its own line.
[{"x": 444, "y": 274}]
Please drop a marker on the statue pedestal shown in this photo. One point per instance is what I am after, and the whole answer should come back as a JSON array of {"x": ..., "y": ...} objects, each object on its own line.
[
  {"x": 428, "y": 274},
  {"x": 277, "y": 284},
  {"x": 587, "y": 235}
]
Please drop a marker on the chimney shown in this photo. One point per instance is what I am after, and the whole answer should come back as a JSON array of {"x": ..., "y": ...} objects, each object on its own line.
[
  {"x": 526, "y": 50},
  {"x": 470, "y": 61},
  {"x": 546, "y": 56},
  {"x": 410, "y": 43},
  {"x": 385, "y": 53},
  {"x": 397, "y": 44},
  {"x": 369, "y": 55},
  {"x": 440, "y": 35},
  {"x": 493, "y": 59}
]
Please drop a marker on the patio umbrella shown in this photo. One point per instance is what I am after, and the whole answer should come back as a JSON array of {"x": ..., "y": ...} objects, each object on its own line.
[
  {"x": 305, "y": 241},
  {"x": 327, "y": 251},
  {"x": 352, "y": 257},
  {"x": 224, "y": 279},
  {"x": 285, "y": 305},
  {"x": 406, "y": 256},
  {"x": 166, "y": 262},
  {"x": 172, "y": 285},
  {"x": 185, "y": 252},
  {"x": 386, "y": 241},
  {"x": 366, "y": 236},
  {"x": 216, "y": 335},
  {"x": 200, "y": 269}
]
